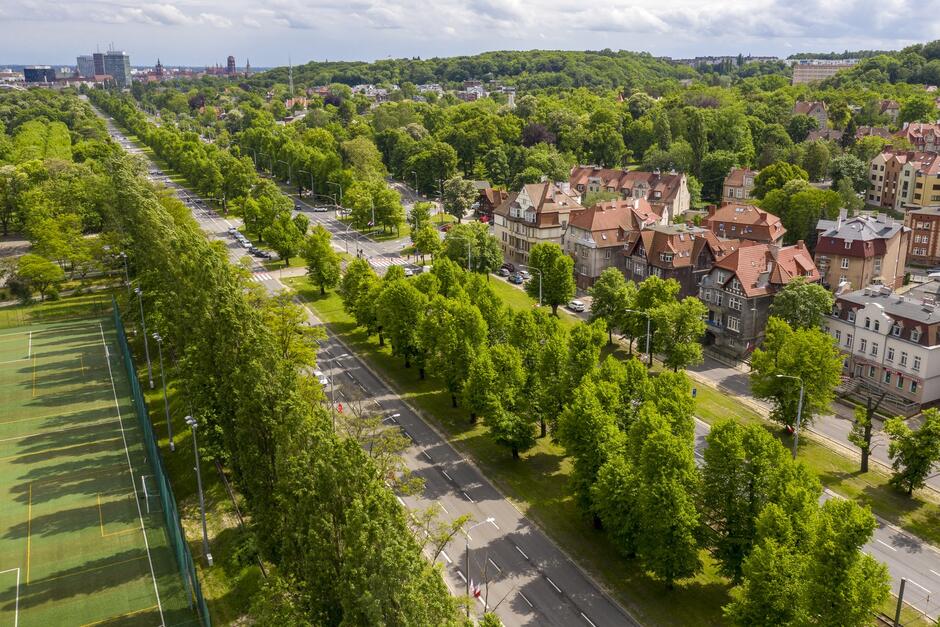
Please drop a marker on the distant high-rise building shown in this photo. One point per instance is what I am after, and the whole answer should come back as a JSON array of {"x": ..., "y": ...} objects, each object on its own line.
[
  {"x": 247, "y": 68},
  {"x": 98, "y": 60},
  {"x": 38, "y": 74},
  {"x": 118, "y": 65},
  {"x": 86, "y": 65},
  {"x": 230, "y": 66}
]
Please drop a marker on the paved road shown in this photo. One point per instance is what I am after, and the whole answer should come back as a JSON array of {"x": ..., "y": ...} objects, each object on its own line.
[
  {"x": 905, "y": 555},
  {"x": 531, "y": 581}
]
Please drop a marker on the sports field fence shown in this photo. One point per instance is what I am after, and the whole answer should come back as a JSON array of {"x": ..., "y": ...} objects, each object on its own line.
[{"x": 160, "y": 480}]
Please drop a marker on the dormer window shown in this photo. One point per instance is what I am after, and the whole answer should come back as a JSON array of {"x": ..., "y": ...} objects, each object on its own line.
[
  {"x": 915, "y": 335},
  {"x": 896, "y": 330},
  {"x": 851, "y": 317},
  {"x": 848, "y": 245},
  {"x": 666, "y": 256},
  {"x": 735, "y": 284}
]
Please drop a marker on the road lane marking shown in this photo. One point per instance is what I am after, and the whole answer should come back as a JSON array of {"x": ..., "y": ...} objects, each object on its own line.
[
  {"x": 443, "y": 508},
  {"x": 498, "y": 569},
  {"x": 521, "y": 551},
  {"x": 557, "y": 589},
  {"x": 447, "y": 557},
  {"x": 425, "y": 453},
  {"x": 526, "y": 600},
  {"x": 935, "y": 572},
  {"x": 460, "y": 574},
  {"x": 493, "y": 522},
  {"x": 468, "y": 496},
  {"x": 590, "y": 622},
  {"x": 887, "y": 545},
  {"x": 444, "y": 472},
  {"x": 918, "y": 585},
  {"x": 400, "y": 501}
]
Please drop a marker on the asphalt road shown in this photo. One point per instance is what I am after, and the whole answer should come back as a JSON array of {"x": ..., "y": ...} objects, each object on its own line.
[
  {"x": 903, "y": 554},
  {"x": 526, "y": 579}
]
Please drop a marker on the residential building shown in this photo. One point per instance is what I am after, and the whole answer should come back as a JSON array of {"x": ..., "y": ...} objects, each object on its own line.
[
  {"x": 891, "y": 343},
  {"x": 98, "y": 59},
  {"x": 826, "y": 135},
  {"x": 853, "y": 253},
  {"x": 86, "y": 65},
  {"x": 923, "y": 136},
  {"x": 924, "y": 246},
  {"x": 490, "y": 199},
  {"x": 890, "y": 109},
  {"x": 668, "y": 194},
  {"x": 741, "y": 285},
  {"x": 39, "y": 74},
  {"x": 872, "y": 131},
  {"x": 746, "y": 222},
  {"x": 739, "y": 184},
  {"x": 813, "y": 70},
  {"x": 595, "y": 237},
  {"x": 673, "y": 251},
  {"x": 814, "y": 109},
  {"x": 903, "y": 180},
  {"x": 538, "y": 213},
  {"x": 118, "y": 65}
]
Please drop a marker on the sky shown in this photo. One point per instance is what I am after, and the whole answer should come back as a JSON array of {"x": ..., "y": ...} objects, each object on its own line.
[{"x": 268, "y": 32}]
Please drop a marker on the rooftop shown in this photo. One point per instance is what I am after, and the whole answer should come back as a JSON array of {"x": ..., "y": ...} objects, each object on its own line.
[{"x": 917, "y": 305}]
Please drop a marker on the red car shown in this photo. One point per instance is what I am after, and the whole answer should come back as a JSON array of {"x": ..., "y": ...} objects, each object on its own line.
[{"x": 446, "y": 227}]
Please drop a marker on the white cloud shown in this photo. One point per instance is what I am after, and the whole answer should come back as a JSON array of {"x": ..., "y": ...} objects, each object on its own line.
[{"x": 218, "y": 21}]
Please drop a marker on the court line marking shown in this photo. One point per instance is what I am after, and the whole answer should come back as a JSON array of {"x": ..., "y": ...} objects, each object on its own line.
[
  {"x": 101, "y": 523},
  {"x": 29, "y": 350},
  {"x": 16, "y": 611},
  {"x": 29, "y": 529},
  {"x": 65, "y": 415},
  {"x": 130, "y": 467},
  {"x": 34, "y": 376},
  {"x": 94, "y": 568},
  {"x": 132, "y": 613},
  {"x": 53, "y": 450},
  {"x": 79, "y": 426}
]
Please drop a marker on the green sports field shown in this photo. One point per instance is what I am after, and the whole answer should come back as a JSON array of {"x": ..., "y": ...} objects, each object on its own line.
[{"x": 82, "y": 540}]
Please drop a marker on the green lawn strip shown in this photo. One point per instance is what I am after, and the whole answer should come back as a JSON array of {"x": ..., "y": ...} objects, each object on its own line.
[
  {"x": 518, "y": 299},
  {"x": 94, "y": 304},
  {"x": 919, "y": 515},
  {"x": 235, "y": 576},
  {"x": 537, "y": 484}
]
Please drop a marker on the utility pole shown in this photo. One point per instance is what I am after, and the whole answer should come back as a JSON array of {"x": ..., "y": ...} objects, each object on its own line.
[{"x": 202, "y": 503}]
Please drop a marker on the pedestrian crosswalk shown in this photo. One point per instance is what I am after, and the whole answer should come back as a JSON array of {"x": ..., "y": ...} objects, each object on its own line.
[
  {"x": 387, "y": 262},
  {"x": 260, "y": 277}
]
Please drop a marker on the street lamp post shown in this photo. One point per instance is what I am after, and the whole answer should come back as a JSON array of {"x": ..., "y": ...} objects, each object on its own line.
[
  {"x": 649, "y": 347},
  {"x": 202, "y": 503},
  {"x": 441, "y": 181},
  {"x": 540, "y": 281},
  {"x": 467, "y": 534},
  {"x": 166, "y": 401},
  {"x": 340, "y": 204},
  {"x": 127, "y": 277},
  {"x": 143, "y": 324},
  {"x": 299, "y": 187},
  {"x": 290, "y": 169},
  {"x": 416, "y": 184},
  {"x": 799, "y": 410}
]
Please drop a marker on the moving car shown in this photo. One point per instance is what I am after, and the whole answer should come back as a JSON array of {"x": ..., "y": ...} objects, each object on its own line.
[
  {"x": 576, "y": 305},
  {"x": 409, "y": 272},
  {"x": 322, "y": 379}
]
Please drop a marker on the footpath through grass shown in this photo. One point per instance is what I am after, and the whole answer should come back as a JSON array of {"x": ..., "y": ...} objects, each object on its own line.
[{"x": 537, "y": 484}]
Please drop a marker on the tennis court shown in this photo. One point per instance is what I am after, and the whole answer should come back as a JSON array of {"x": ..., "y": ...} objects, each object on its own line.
[{"x": 82, "y": 536}]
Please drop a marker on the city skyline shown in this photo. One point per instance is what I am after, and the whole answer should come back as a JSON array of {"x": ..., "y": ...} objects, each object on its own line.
[{"x": 195, "y": 33}]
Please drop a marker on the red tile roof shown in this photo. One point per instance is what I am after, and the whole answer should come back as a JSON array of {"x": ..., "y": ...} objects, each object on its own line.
[
  {"x": 746, "y": 222},
  {"x": 765, "y": 268},
  {"x": 685, "y": 243},
  {"x": 660, "y": 187},
  {"x": 736, "y": 177}
]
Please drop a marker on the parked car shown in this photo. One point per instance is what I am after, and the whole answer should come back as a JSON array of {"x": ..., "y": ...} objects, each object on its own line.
[
  {"x": 516, "y": 279},
  {"x": 263, "y": 254},
  {"x": 503, "y": 272},
  {"x": 525, "y": 275},
  {"x": 232, "y": 230},
  {"x": 409, "y": 272},
  {"x": 576, "y": 305},
  {"x": 322, "y": 379},
  {"x": 509, "y": 267},
  {"x": 446, "y": 227}
]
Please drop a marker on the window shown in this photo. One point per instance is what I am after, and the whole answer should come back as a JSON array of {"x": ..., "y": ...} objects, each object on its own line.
[
  {"x": 915, "y": 335},
  {"x": 878, "y": 265},
  {"x": 877, "y": 325},
  {"x": 734, "y": 303},
  {"x": 735, "y": 284},
  {"x": 845, "y": 263},
  {"x": 896, "y": 330},
  {"x": 871, "y": 372},
  {"x": 607, "y": 254},
  {"x": 838, "y": 336},
  {"x": 654, "y": 271},
  {"x": 887, "y": 376},
  {"x": 900, "y": 382},
  {"x": 734, "y": 323},
  {"x": 890, "y": 355},
  {"x": 639, "y": 269},
  {"x": 848, "y": 339},
  {"x": 867, "y": 322},
  {"x": 719, "y": 298},
  {"x": 848, "y": 245},
  {"x": 913, "y": 387},
  {"x": 708, "y": 295},
  {"x": 862, "y": 345},
  {"x": 916, "y": 365},
  {"x": 851, "y": 315},
  {"x": 874, "y": 349},
  {"x": 720, "y": 277},
  {"x": 666, "y": 256},
  {"x": 903, "y": 358}
]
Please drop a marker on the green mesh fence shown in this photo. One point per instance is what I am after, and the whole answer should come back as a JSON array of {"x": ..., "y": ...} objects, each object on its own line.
[{"x": 177, "y": 539}]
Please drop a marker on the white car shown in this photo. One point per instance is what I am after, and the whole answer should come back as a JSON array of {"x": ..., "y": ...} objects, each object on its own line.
[
  {"x": 322, "y": 379},
  {"x": 409, "y": 272},
  {"x": 576, "y": 305}
]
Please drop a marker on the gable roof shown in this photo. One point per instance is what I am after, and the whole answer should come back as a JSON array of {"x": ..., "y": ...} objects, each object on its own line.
[
  {"x": 684, "y": 242},
  {"x": 765, "y": 268},
  {"x": 658, "y": 187},
  {"x": 807, "y": 107},
  {"x": 752, "y": 222},
  {"x": 737, "y": 176},
  {"x": 548, "y": 200}
]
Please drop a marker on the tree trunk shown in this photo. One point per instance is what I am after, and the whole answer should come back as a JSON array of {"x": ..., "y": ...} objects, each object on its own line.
[
  {"x": 381, "y": 339},
  {"x": 866, "y": 450},
  {"x": 597, "y": 522},
  {"x": 453, "y": 400},
  {"x": 610, "y": 337},
  {"x": 473, "y": 418},
  {"x": 542, "y": 429},
  {"x": 421, "y": 373},
  {"x": 515, "y": 454},
  {"x": 322, "y": 290},
  {"x": 407, "y": 360},
  {"x": 630, "y": 345},
  {"x": 555, "y": 309}
]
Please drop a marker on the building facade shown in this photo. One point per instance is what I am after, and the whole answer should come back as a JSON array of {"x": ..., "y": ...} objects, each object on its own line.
[
  {"x": 538, "y": 213},
  {"x": 668, "y": 194},
  {"x": 86, "y": 66},
  {"x": 738, "y": 185},
  {"x": 853, "y": 253},
  {"x": 814, "y": 109},
  {"x": 740, "y": 287},
  {"x": 118, "y": 65},
  {"x": 813, "y": 70},
  {"x": 745, "y": 222},
  {"x": 891, "y": 343},
  {"x": 38, "y": 74},
  {"x": 923, "y": 136},
  {"x": 904, "y": 180},
  {"x": 924, "y": 248}
]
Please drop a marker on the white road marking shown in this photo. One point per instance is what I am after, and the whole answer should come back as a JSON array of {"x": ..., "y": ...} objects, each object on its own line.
[
  {"x": 460, "y": 574},
  {"x": 918, "y": 585},
  {"x": 29, "y": 351},
  {"x": 443, "y": 508},
  {"x": 935, "y": 572},
  {"x": 520, "y": 550},
  {"x": 493, "y": 522},
  {"x": 557, "y": 589},
  {"x": 498, "y": 569},
  {"x": 400, "y": 501},
  {"x": 447, "y": 557},
  {"x": 590, "y": 622},
  {"x": 468, "y": 496},
  {"x": 526, "y": 600},
  {"x": 444, "y": 472},
  {"x": 887, "y": 545},
  {"x": 425, "y": 453},
  {"x": 16, "y": 610}
]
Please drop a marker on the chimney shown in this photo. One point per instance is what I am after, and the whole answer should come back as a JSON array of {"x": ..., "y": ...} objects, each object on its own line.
[
  {"x": 843, "y": 216},
  {"x": 801, "y": 244},
  {"x": 711, "y": 210}
]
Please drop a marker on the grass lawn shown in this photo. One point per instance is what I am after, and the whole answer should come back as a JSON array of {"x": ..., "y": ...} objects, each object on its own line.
[
  {"x": 537, "y": 484},
  {"x": 518, "y": 299}
]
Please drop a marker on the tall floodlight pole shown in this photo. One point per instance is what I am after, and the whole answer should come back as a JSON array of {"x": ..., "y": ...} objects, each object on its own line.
[
  {"x": 202, "y": 503},
  {"x": 166, "y": 400},
  {"x": 143, "y": 324},
  {"x": 799, "y": 410}
]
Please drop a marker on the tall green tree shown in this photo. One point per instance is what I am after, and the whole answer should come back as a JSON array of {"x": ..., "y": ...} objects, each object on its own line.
[
  {"x": 679, "y": 328},
  {"x": 913, "y": 453},
  {"x": 611, "y": 297},
  {"x": 553, "y": 270},
  {"x": 283, "y": 236},
  {"x": 323, "y": 263},
  {"x": 39, "y": 274},
  {"x": 802, "y": 305},
  {"x": 775, "y": 176},
  {"x": 459, "y": 196},
  {"x": 400, "y": 310}
]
